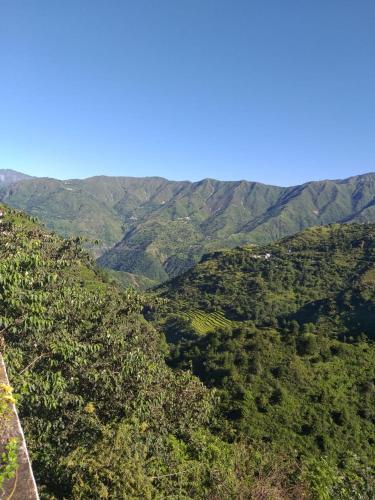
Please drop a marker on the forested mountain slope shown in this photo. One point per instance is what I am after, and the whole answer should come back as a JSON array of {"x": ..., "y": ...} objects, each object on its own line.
[
  {"x": 318, "y": 272},
  {"x": 285, "y": 332},
  {"x": 159, "y": 228},
  {"x": 9, "y": 177},
  {"x": 104, "y": 416}
]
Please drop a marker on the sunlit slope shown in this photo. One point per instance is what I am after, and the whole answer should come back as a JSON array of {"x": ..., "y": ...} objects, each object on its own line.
[
  {"x": 285, "y": 333},
  {"x": 88, "y": 371},
  {"x": 300, "y": 277},
  {"x": 159, "y": 228}
]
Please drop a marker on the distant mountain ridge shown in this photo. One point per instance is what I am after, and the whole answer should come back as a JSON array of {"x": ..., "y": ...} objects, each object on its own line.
[
  {"x": 158, "y": 228},
  {"x": 9, "y": 176}
]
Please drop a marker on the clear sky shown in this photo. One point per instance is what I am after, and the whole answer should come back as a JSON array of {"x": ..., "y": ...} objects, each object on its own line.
[{"x": 278, "y": 91}]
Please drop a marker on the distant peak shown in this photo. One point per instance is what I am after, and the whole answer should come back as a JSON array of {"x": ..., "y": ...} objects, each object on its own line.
[{"x": 9, "y": 176}]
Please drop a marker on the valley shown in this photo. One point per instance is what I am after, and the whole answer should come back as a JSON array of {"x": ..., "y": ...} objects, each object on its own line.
[
  {"x": 252, "y": 371},
  {"x": 187, "y": 250},
  {"x": 156, "y": 229}
]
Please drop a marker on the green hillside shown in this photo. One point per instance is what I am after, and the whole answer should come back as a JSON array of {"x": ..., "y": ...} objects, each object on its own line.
[
  {"x": 89, "y": 373},
  {"x": 155, "y": 228},
  {"x": 286, "y": 280},
  {"x": 105, "y": 417},
  {"x": 294, "y": 363}
]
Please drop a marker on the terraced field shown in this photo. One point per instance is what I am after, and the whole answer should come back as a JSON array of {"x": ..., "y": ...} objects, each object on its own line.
[{"x": 207, "y": 322}]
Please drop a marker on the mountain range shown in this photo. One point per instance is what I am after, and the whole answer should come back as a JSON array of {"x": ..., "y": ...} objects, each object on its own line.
[{"x": 151, "y": 229}]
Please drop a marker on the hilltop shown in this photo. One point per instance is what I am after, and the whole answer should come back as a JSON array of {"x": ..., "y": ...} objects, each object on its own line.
[
  {"x": 156, "y": 228},
  {"x": 8, "y": 177},
  {"x": 310, "y": 274},
  {"x": 285, "y": 333}
]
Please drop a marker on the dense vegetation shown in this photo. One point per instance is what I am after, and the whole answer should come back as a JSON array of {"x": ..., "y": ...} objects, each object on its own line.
[
  {"x": 89, "y": 371},
  {"x": 285, "y": 333},
  {"x": 104, "y": 416},
  {"x": 155, "y": 228},
  {"x": 8, "y": 445},
  {"x": 285, "y": 405}
]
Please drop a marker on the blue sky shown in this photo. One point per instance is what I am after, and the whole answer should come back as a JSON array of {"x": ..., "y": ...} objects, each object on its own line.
[{"x": 274, "y": 91}]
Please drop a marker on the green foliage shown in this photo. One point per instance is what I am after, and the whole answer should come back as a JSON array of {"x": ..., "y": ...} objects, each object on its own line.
[
  {"x": 80, "y": 354},
  {"x": 8, "y": 458},
  {"x": 296, "y": 368},
  {"x": 9, "y": 455},
  {"x": 119, "y": 466},
  {"x": 327, "y": 481},
  {"x": 9, "y": 461},
  {"x": 105, "y": 417}
]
